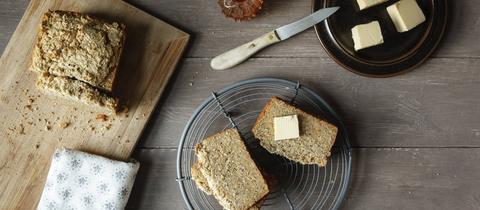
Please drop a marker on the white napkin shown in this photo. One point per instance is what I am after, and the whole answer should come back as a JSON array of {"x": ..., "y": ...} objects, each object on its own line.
[{"x": 78, "y": 180}]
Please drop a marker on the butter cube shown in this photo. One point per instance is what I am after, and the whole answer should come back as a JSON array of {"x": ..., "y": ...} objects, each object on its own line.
[
  {"x": 286, "y": 127},
  {"x": 406, "y": 14},
  {"x": 367, "y": 35},
  {"x": 364, "y": 4}
]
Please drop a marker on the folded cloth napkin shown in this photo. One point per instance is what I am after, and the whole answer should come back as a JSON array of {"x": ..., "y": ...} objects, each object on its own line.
[{"x": 78, "y": 180}]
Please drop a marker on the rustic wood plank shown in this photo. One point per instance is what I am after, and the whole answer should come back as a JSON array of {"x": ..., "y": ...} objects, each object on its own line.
[
  {"x": 390, "y": 178},
  {"x": 11, "y": 12},
  {"x": 436, "y": 105},
  {"x": 214, "y": 34}
]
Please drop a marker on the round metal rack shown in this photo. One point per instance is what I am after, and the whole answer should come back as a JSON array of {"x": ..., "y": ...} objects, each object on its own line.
[{"x": 293, "y": 186}]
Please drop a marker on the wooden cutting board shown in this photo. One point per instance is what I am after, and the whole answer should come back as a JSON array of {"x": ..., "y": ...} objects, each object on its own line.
[{"x": 32, "y": 124}]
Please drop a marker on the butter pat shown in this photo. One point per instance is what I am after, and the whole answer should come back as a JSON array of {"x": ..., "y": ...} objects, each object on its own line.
[
  {"x": 364, "y": 4},
  {"x": 406, "y": 14},
  {"x": 286, "y": 127},
  {"x": 367, "y": 35}
]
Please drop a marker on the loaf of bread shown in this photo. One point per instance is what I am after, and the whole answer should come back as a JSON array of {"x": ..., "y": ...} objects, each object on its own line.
[
  {"x": 77, "y": 91},
  {"x": 79, "y": 46},
  {"x": 226, "y": 170},
  {"x": 316, "y": 136}
]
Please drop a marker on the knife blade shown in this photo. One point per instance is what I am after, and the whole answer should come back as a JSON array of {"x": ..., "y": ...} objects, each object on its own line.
[{"x": 237, "y": 55}]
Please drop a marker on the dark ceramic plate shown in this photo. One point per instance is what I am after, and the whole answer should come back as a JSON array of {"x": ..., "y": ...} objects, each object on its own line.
[{"x": 399, "y": 53}]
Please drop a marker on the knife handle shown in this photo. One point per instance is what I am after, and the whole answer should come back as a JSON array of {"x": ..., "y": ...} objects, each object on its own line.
[{"x": 237, "y": 55}]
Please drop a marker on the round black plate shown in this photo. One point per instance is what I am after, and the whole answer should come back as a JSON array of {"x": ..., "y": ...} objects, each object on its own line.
[{"x": 399, "y": 53}]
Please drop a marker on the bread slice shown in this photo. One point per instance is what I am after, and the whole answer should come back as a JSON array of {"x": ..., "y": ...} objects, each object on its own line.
[
  {"x": 200, "y": 180},
  {"x": 230, "y": 172},
  {"x": 76, "y": 91},
  {"x": 79, "y": 46},
  {"x": 316, "y": 136},
  {"x": 202, "y": 184}
]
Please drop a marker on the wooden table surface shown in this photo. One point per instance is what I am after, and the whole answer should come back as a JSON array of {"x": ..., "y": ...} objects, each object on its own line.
[{"x": 416, "y": 137}]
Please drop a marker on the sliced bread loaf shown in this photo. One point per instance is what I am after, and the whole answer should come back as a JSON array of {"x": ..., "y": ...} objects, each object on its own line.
[
  {"x": 316, "y": 136},
  {"x": 230, "y": 172},
  {"x": 202, "y": 184},
  {"x": 77, "y": 91},
  {"x": 79, "y": 46}
]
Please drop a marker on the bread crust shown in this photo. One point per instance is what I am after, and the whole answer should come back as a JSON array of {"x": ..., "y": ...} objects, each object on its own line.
[
  {"x": 96, "y": 27},
  {"x": 264, "y": 111},
  {"x": 77, "y": 91}
]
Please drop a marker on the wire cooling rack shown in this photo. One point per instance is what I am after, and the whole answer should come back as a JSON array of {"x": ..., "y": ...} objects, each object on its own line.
[{"x": 293, "y": 186}]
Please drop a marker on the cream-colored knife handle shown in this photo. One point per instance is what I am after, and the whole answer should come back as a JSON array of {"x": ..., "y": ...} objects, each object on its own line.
[{"x": 235, "y": 56}]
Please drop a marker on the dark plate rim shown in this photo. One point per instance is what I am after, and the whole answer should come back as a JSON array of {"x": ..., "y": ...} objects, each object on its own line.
[
  {"x": 316, "y": 4},
  {"x": 329, "y": 108}
]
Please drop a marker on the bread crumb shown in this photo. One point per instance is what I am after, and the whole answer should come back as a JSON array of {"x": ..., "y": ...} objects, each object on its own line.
[
  {"x": 108, "y": 126},
  {"x": 21, "y": 129},
  {"x": 101, "y": 117},
  {"x": 29, "y": 107},
  {"x": 47, "y": 128},
  {"x": 63, "y": 125}
]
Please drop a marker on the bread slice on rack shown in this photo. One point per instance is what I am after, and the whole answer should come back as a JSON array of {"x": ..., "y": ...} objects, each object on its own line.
[
  {"x": 78, "y": 91},
  {"x": 79, "y": 46},
  {"x": 202, "y": 184},
  {"x": 226, "y": 170},
  {"x": 200, "y": 180},
  {"x": 311, "y": 147}
]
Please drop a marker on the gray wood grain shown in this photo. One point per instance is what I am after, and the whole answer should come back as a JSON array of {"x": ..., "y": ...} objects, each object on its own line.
[
  {"x": 383, "y": 178},
  {"x": 436, "y": 105},
  {"x": 214, "y": 34}
]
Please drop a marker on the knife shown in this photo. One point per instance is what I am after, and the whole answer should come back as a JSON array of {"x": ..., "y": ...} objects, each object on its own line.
[{"x": 237, "y": 55}]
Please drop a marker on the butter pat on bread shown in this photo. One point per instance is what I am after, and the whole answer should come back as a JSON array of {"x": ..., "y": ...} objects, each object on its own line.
[{"x": 286, "y": 127}]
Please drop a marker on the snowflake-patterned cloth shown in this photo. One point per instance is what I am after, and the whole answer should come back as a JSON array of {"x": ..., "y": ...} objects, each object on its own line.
[{"x": 78, "y": 180}]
